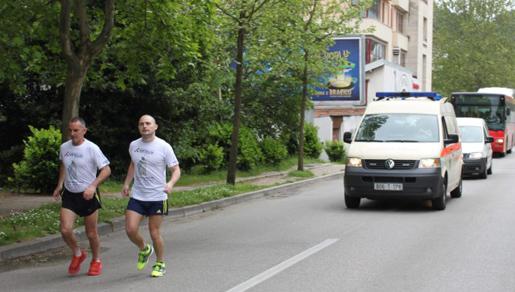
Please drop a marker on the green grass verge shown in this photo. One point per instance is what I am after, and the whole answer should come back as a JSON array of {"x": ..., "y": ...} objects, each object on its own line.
[{"x": 45, "y": 220}]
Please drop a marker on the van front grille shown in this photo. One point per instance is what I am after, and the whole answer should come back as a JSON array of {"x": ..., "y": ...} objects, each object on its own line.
[{"x": 398, "y": 164}]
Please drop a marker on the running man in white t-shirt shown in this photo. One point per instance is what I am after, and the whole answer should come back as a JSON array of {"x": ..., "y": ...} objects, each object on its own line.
[
  {"x": 150, "y": 157},
  {"x": 80, "y": 161}
]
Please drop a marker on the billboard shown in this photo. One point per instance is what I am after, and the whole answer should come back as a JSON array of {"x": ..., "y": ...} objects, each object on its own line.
[{"x": 348, "y": 83}]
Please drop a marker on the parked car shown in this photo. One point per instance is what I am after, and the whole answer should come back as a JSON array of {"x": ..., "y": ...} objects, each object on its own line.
[
  {"x": 406, "y": 146},
  {"x": 477, "y": 148}
]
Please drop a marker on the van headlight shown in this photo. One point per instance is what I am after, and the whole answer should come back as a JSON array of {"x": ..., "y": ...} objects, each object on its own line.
[
  {"x": 354, "y": 162},
  {"x": 475, "y": 155},
  {"x": 500, "y": 140},
  {"x": 429, "y": 163}
]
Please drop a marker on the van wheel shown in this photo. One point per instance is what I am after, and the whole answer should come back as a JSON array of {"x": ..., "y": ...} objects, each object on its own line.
[
  {"x": 509, "y": 151},
  {"x": 456, "y": 193},
  {"x": 352, "y": 202},
  {"x": 489, "y": 171},
  {"x": 439, "y": 203},
  {"x": 484, "y": 174}
]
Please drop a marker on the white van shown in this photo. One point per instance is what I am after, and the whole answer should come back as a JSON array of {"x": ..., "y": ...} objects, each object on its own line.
[
  {"x": 477, "y": 147},
  {"x": 406, "y": 146}
]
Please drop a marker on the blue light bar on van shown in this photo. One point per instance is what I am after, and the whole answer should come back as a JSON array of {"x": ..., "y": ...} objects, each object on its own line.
[{"x": 404, "y": 94}]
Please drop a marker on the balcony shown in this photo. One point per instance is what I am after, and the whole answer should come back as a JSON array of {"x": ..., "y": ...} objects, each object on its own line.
[
  {"x": 400, "y": 41},
  {"x": 401, "y": 4}
]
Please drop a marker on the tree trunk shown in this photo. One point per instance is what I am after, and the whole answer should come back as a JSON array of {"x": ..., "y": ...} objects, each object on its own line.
[
  {"x": 300, "y": 165},
  {"x": 233, "y": 154},
  {"x": 80, "y": 56},
  {"x": 74, "y": 81}
]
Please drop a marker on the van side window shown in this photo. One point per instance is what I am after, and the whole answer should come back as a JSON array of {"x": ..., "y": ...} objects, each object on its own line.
[
  {"x": 451, "y": 126},
  {"x": 444, "y": 129}
]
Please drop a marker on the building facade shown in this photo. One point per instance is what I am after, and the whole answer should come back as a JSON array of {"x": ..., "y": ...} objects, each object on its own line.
[{"x": 398, "y": 57}]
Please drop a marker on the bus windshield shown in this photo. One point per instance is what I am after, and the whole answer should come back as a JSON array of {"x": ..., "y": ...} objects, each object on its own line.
[{"x": 491, "y": 108}]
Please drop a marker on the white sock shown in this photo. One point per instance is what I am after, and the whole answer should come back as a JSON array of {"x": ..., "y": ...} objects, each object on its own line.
[{"x": 77, "y": 252}]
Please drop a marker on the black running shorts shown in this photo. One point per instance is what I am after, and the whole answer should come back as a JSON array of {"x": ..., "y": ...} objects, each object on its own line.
[{"x": 79, "y": 205}]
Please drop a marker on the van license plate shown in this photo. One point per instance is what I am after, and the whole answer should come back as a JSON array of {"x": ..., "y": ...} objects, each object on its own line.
[{"x": 387, "y": 187}]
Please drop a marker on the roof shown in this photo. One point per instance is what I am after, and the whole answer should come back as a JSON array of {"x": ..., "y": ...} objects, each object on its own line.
[{"x": 470, "y": 122}]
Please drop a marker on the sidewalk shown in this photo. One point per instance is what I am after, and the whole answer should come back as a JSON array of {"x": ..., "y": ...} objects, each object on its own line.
[
  {"x": 280, "y": 181},
  {"x": 13, "y": 202}
]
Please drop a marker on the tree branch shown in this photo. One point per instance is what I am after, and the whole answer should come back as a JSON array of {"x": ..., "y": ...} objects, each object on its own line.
[
  {"x": 64, "y": 32},
  {"x": 102, "y": 39},
  {"x": 226, "y": 13},
  {"x": 80, "y": 11}
]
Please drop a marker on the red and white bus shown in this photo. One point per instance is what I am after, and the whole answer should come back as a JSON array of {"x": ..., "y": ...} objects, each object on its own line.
[{"x": 497, "y": 107}]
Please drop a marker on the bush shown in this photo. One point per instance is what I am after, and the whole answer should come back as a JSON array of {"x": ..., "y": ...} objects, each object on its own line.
[
  {"x": 39, "y": 168},
  {"x": 273, "y": 150},
  {"x": 334, "y": 150},
  {"x": 212, "y": 157},
  {"x": 312, "y": 145},
  {"x": 249, "y": 153}
]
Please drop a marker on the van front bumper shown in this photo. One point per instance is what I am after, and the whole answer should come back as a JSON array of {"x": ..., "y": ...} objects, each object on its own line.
[
  {"x": 418, "y": 183},
  {"x": 474, "y": 166}
]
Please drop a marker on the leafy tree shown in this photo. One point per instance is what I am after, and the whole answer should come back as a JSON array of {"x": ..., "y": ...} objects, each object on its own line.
[
  {"x": 244, "y": 16},
  {"x": 296, "y": 45},
  {"x": 473, "y": 45}
]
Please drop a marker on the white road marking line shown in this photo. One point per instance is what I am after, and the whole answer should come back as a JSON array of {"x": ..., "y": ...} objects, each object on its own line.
[{"x": 282, "y": 266}]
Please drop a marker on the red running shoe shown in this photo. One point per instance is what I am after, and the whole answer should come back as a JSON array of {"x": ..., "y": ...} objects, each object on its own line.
[
  {"x": 74, "y": 267},
  {"x": 95, "y": 268}
]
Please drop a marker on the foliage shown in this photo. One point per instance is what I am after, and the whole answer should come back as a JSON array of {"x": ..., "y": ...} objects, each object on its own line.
[
  {"x": 273, "y": 150},
  {"x": 312, "y": 145},
  {"x": 39, "y": 168},
  {"x": 212, "y": 157},
  {"x": 249, "y": 153},
  {"x": 335, "y": 150},
  {"x": 473, "y": 45}
]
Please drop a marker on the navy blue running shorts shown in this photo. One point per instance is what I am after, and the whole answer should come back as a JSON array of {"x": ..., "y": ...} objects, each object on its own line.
[
  {"x": 148, "y": 208},
  {"x": 79, "y": 205}
]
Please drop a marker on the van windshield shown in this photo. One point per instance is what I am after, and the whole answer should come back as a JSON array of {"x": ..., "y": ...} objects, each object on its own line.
[
  {"x": 398, "y": 128},
  {"x": 471, "y": 134}
]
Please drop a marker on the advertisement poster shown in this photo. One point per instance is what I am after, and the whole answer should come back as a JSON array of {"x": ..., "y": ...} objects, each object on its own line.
[{"x": 347, "y": 83}]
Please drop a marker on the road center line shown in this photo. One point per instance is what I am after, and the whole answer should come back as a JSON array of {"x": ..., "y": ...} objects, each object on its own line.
[{"x": 282, "y": 266}]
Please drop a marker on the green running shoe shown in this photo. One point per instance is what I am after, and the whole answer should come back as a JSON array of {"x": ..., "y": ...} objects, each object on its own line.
[
  {"x": 158, "y": 270},
  {"x": 144, "y": 256}
]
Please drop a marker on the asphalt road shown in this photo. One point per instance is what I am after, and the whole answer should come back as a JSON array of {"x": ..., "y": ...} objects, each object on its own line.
[{"x": 309, "y": 241}]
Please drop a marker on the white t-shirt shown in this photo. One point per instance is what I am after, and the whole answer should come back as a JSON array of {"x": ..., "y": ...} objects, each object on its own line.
[
  {"x": 81, "y": 164},
  {"x": 150, "y": 161}
]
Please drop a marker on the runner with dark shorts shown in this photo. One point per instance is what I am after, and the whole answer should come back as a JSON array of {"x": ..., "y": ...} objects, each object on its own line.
[
  {"x": 150, "y": 158},
  {"x": 81, "y": 159}
]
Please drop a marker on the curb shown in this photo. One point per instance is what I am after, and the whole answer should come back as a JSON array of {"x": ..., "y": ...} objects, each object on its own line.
[{"x": 117, "y": 224}]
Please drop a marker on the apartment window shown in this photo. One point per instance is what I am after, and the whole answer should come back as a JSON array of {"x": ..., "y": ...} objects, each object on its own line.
[
  {"x": 425, "y": 29},
  {"x": 373, "y": 11},
  {"x": 385, "y": 14},
  {"x": 374, "y": 50},
  {"x": 402, "y": 58},
  {"x": 400, "y": 21}
]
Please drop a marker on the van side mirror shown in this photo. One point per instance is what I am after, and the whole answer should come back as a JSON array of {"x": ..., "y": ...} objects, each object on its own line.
[
  {"x": 347, "y": 137},
  {"x": 451, "y": 139},
  {"x": 489, "y": 139}
]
